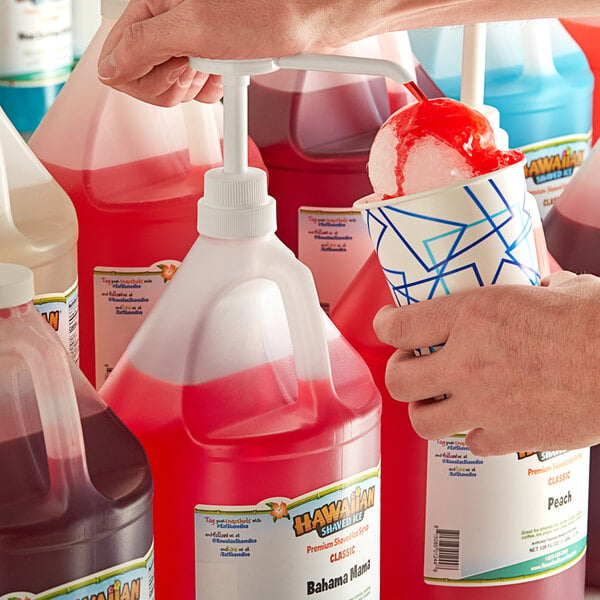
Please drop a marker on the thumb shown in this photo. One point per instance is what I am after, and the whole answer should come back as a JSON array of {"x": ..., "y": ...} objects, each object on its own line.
[
  {"x": 421, "y": 325},
  {"x": 141, "y": 40}
]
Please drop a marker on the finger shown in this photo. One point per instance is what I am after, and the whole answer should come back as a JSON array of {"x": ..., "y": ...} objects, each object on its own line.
[
  {"x": 185, "y": 88},
  {"x": 419, "y": 325},
  {"x": 140, "y": 41},
  {"x": 409, "y": 378},
  {"x": 195, "y": 86},
  {"x": 135, "y": 12},
  {"x": 212, "y": 90},
  {"x": 157, "y": 90},
  {"x": 438, "y": 419},
  {"x": 160, "y": 80},
  {"x": 557, "y": 278},
  {"x": 484, "y": 442}
]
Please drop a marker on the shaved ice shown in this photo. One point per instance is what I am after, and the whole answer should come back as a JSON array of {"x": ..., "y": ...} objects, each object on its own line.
[{"x": 432, "y": 144}]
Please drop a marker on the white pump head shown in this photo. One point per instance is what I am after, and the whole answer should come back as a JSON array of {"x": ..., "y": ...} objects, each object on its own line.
[{"x": 235, "y": 203}]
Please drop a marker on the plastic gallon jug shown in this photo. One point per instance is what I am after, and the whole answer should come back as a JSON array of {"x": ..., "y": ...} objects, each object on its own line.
[
  {"x": 38, "y": 229},
  {"x": 491, "y": 530},
  {"x": 586, "y": 32},
  {"x": 403, "y": 452},
  {"x": 401, "y": 569},
  {"x": 76, "y": 493},
  {"x": 573, "y": 233},
  {"x": 573, "y": 226},
  {"x": 314, "y": 131},
  {"x": 540, "y": 83},
  {"x": 36, "y": 57},
  {"x": 264, "y": 429},
  {"x": 135, "y": 179}
]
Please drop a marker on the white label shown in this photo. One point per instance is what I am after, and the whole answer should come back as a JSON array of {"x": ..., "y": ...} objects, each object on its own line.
[
  {"x": 37, "y": 44},
  {"x": 503, "y": 519},
  {"x": 551, "y": 165},
  {"x": 61, "y": 310},
  {"x": 122, "y": 299},
  {"x": 334, "y": 244},
  {"x": 133, "y": 580},
  {"x": 324, "y": 544}
]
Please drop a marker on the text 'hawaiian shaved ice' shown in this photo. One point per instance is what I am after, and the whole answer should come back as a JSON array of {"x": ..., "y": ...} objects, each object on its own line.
[{"x": 432, "y": 144}]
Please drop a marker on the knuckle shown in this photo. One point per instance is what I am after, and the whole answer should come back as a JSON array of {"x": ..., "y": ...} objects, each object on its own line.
[
  {"x": 392, "y": 325},
  {"x": 133, "y": 36},
  {"x": 395, "y": 380}
]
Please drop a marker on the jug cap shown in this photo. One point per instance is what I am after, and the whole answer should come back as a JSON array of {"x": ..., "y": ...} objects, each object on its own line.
[
  {"x": 16, "y": 285},
  {"x": 113, "y": 9},
  {"x": 236, "y": 205}
]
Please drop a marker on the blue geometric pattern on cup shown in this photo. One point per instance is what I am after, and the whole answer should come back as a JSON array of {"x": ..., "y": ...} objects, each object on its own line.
[{"x": 425, "y": 251}]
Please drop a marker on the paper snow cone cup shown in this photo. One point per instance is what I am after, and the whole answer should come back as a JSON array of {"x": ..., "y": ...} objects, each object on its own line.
[{"x": 477, "y": 232}]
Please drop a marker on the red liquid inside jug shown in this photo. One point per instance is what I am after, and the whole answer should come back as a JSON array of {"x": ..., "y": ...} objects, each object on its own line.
[
  {"x": 130, "y": 215},
  {"x": 222, "y": 443},
  {"x": 573, "y": 233},
  {"x": 118, "y": 470}
]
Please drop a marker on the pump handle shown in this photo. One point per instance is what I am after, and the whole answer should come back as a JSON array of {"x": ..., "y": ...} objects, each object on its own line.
[{"x": 307, "y": 61}]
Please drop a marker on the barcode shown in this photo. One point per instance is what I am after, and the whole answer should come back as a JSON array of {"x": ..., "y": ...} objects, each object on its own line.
[{"x": 446, "y": 549}]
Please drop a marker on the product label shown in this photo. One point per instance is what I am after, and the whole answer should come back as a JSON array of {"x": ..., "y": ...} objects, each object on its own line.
[
  {"x": 133, "y": 580},
  {"x": 62, "y": 312},
  {"x": 551, "y": 164},
  {"x": 122, "y": 299},
  {"x": 334, "y": 244},
  {"x": 324, "y": 544},
  {"x": 37, "y": 44},
  {"x": 503, "y": 519}
]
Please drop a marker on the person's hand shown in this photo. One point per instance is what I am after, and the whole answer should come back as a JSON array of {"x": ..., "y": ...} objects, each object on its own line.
[
  {"x": 146, "y": 53},
  {"x": 520, "y": 365}
]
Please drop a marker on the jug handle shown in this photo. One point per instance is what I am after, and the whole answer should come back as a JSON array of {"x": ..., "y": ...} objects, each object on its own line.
[
  {"x": 304, "y": 315},
  {"x": 59, "y": 416},
  {"x": 8, "y": 229}
]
